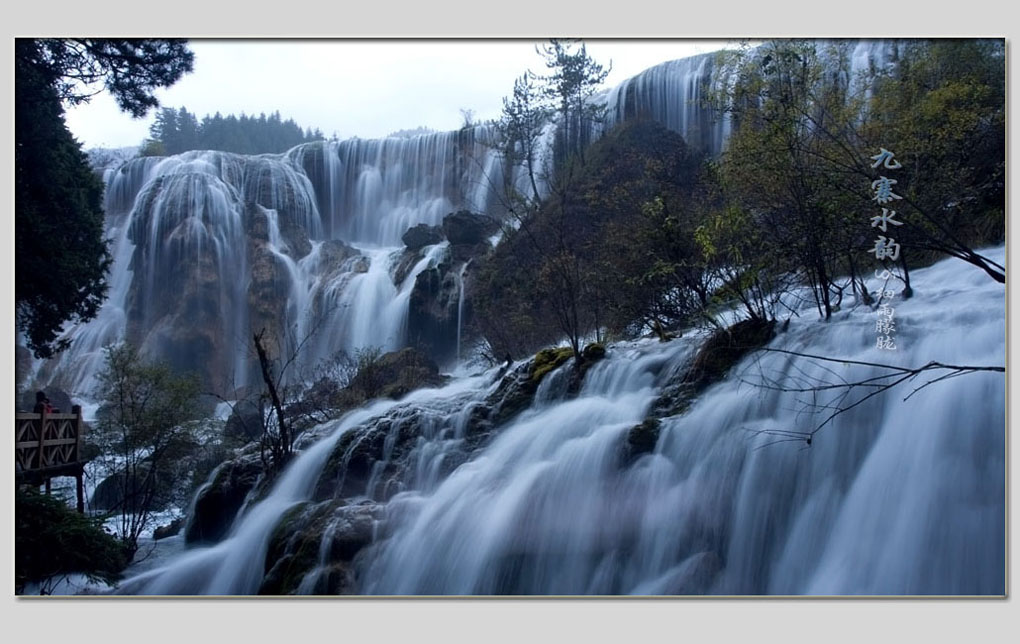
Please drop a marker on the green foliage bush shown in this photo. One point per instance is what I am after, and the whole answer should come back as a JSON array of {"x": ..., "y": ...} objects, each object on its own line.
[{"x": 52, "y": 540}]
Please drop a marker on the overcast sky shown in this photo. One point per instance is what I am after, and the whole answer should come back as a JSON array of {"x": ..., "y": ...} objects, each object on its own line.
[{"x": 366, "y": 88}]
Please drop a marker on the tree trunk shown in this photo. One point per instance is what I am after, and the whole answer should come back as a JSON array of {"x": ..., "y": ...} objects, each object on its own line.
[
  {"x": 267, "y": 377},
  {"x": 907, "y": 291}
]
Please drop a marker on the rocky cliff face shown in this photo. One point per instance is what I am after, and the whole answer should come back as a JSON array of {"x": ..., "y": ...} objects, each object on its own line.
[{"x": 440, "y": 310}]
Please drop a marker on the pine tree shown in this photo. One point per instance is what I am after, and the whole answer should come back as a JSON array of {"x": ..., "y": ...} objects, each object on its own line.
[{"x": 61, "y": 257}]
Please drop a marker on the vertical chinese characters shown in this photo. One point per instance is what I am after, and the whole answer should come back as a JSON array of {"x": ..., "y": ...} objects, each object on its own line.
[{"x": 886, "y": 248}]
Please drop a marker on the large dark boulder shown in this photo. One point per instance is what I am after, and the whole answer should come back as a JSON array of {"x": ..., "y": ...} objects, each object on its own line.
[
  {"x": 334, "y": 256},
  {"x": 467, "y": 228},
  {"x": 641, "y": 439},
  {"x": 244, "y": 423},
  {"x": 109, "y": 494},
  {"x": 432, "y": 313},
  {"x": 417, "y": 237},
  {"x": 218, "y": 503},
  {"x": 313, "y": 547},
  {"x": 394, "y": 374},
  {"x": 713, "y": 360}
]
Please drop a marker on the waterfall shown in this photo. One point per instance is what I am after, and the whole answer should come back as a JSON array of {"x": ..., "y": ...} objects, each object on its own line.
[
  {"x": 234, "y": 566},
  {"x": 894, "y": 497},
  {"x": 901, "y": 495},
  {"x": 371, "y": 191},
  {"x": 672, "y": 94},
  {"x": 210, "y": 247},
  {"x": 460, "y": 304}
]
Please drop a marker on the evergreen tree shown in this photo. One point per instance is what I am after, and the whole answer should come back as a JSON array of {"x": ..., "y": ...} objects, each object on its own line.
[
  {"x": 130, "y": 69},
  {"x": 574, "y": 78},
  {"x": 61, "y": 257},
  {"x": 177, "y": 130}
]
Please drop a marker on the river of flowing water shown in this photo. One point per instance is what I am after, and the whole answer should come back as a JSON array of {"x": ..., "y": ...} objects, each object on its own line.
[{"x": 892, "y": 497}]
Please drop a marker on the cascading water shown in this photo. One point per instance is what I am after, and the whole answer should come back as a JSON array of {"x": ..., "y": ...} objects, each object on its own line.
[
  {"x": 210, "y": 247},
  {"x": 673, "y": 94},
  {"x": 460, "y": 304},
  {"x": 896, "y": 496},
  {"x": 196, "y": 272},
  {"x": 892, "y": 497},
  {"x": 235, "y": 565},
  {"x": 371, "y": 191}
]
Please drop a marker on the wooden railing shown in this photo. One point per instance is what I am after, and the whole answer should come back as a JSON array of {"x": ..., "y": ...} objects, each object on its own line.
[{"x": 49, "y": 445}]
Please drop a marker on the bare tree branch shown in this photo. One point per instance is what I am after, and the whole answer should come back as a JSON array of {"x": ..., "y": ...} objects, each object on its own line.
[{"x": 843, "y": 389}]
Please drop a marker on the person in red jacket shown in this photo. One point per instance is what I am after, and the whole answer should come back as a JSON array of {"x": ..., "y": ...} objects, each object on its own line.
[{"x": 42, "y": 403}]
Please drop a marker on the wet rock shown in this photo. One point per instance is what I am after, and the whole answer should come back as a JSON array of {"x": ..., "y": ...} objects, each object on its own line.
[
  {"x": 397, "y": 373},
  {"x": 296, "y": 238},
  {"x": 417, "y": 237},
  {"x": 547, "y": 360},
  {"x": 267, "y": 295},
  {"x": 402, "y": 268},
  {"x": 641, "y": 439},
  {"x": 726, "y": 347},
  {"x": 218, "y": 503},
  {"x": 432, "y": 312},
  {"x": 514, "y": 394},
  {"x": 334, "y": 256},
  {"x": 297, "y": 558},
  {"x": 712, "y": 362},
  {"x": 466, "y": 228},
  {"x": 169, "y": 530},
  {"x": 360, "y": 265},
  {"x": 376, "y": 452}
]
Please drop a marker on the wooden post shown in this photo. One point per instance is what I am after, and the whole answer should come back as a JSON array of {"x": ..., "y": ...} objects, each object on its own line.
[
  {"x": 79, "y": 488},
  {"x": 79, "y": 434},
  {"x": 42, "y": 433},
  {"x": 78, "y": 426}
]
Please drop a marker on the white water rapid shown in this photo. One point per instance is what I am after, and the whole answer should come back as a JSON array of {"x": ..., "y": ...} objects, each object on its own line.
[{"x": 901, "y": 495}]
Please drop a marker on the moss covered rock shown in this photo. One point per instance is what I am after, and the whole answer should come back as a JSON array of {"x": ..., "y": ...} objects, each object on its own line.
[
  {"x": 313, "y": 546},
  {"x": 218, "y": 502},
  {"x": 594, "y": 352},
  {"x": 641, "y": 439},
  {"x": 719, "y": 353},
  {"x": 725, "y": 348},
  {"x": 548, "y": 359}
]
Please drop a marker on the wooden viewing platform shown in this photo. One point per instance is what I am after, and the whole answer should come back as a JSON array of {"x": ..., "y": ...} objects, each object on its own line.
[{"x": 49, "y": 445}]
